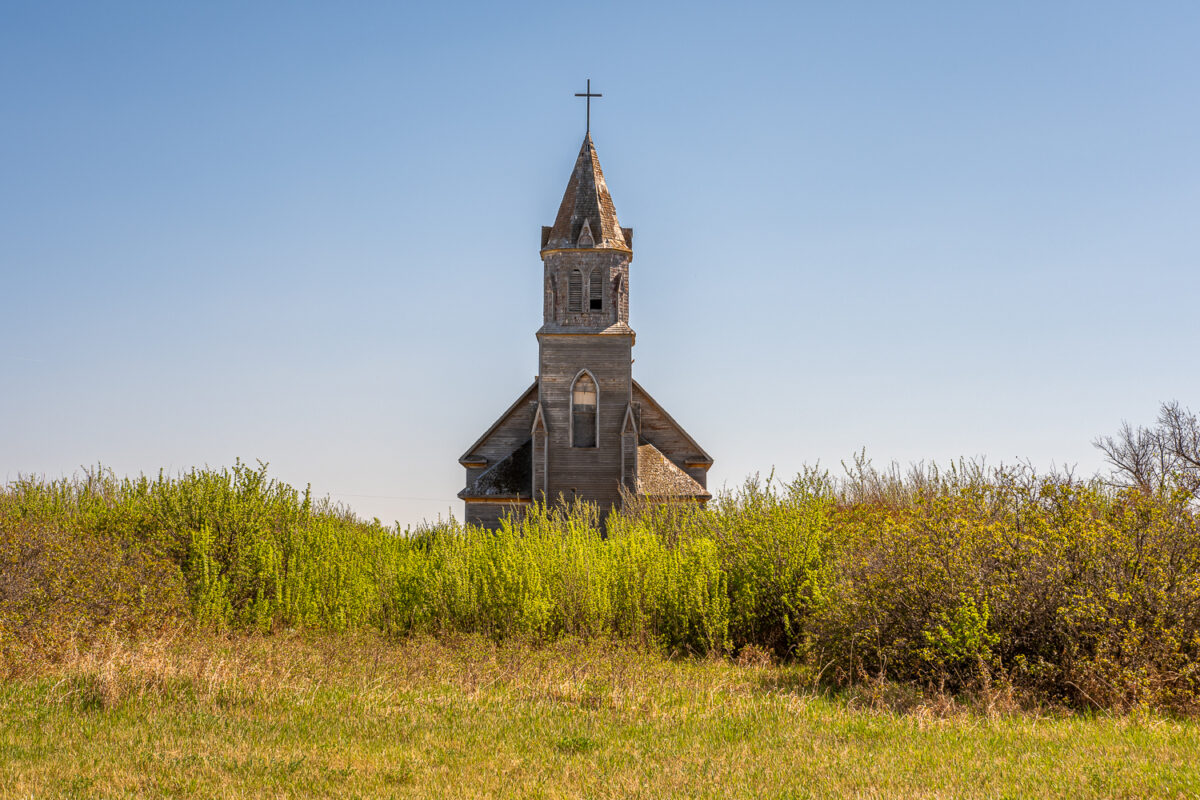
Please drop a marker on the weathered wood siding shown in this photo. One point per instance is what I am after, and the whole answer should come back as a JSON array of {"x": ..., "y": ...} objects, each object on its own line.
[
  {"x": 488, "y": 515},
  {"x": 659, "y": 430},
  {"x": 629, "y": 461},
  {"x": 589, "y": 473},
  {"x": 612, "y": 267},
  {"x": 540, "y": 442},
  {"x": 507, "y": 434}
]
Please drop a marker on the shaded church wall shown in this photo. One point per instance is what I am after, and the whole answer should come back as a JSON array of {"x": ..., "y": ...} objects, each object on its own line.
[{"x": 488, "y": 515}]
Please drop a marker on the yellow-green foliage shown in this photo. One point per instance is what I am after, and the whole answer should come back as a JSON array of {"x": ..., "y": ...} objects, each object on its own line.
[{"x": 1061, "y": 589}]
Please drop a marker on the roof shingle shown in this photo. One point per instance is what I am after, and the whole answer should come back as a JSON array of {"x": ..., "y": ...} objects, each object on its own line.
[
  {"x": 587, "y": 200},
  {"x": 659, "y": 478}
]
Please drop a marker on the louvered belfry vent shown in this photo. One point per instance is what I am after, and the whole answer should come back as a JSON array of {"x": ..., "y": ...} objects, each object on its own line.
[{"x": 575, "y": 291}]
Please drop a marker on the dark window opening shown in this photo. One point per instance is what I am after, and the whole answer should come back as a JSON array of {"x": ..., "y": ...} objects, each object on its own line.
[
  {"x": 585, "y": 426},
  {"x": 596, "y": 291}
]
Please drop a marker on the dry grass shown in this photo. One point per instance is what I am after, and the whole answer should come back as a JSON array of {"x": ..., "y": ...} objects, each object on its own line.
[{"x": 359, "y": 716}]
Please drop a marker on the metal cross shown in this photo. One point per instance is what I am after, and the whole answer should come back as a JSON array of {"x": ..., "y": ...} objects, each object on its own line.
[{"x": 589, "y": 97}]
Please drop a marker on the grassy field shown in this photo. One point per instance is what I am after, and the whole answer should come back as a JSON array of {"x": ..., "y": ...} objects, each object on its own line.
[{"x": 357, "y": 715}]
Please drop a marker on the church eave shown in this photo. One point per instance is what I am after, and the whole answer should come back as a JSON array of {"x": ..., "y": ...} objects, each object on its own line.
[
  {"x": 510, "y": 499},
  {"x": 616, "y": 329},
  {"x": 551, "y": 250},
  {"x": 510, "y": 477},
  {"x": 672, "y": 498}
]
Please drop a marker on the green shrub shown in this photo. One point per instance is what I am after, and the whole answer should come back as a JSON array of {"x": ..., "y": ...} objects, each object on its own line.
[{"x": 1070, "y": 591}]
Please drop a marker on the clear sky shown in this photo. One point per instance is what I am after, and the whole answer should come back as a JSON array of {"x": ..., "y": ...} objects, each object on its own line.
[{"x": 307, "y": 233}]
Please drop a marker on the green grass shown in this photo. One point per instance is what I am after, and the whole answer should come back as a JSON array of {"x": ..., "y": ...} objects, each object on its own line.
[{"x": 358, "y": 715}]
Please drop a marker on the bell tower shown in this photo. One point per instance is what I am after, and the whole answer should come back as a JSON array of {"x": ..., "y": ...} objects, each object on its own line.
[
  {"x": 586, "y": 254},
  {"x": 585, "y": 380}
]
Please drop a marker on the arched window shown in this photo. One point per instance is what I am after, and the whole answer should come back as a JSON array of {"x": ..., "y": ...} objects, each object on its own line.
[
  {"x": 575, "y": 291},
  {"x": 583, "y": 411},
  {"x": 596, "y": 291}
]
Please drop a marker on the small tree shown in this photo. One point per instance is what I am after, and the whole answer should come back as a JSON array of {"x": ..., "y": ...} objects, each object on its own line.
[{"x": 1164, "y": 456}]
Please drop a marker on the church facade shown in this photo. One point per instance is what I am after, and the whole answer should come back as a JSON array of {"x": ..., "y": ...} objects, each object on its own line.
[{"x": 585, "y": 429}]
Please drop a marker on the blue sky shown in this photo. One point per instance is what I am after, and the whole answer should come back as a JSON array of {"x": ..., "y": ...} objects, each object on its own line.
[{"x": 307, "y": 233}]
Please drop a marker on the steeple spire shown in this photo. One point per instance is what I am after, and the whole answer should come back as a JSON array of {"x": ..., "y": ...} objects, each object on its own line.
[{"x": 586, "y": 201}]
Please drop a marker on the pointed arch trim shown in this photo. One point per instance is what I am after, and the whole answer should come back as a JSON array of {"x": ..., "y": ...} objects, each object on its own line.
[{"x": 574, "y": 434}]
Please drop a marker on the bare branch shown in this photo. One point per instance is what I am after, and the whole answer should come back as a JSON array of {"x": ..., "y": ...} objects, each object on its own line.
[{"x": 1166, "y": 456}]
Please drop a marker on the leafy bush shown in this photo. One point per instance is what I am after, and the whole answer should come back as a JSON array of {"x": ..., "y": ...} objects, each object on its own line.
[{"x": 1071, "y": 591}]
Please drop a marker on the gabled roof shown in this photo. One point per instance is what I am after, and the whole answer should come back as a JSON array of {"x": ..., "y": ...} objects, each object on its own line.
[
  {"x": 702, "y": 457},
  {"x": 510, "y": 477},
  {"x": 499, "y": 421},
  {"x": 659, "y": 479},
  {"x": 586, "y": 201}
]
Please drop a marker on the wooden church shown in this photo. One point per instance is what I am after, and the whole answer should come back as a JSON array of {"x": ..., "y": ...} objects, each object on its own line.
[{"x": 585, "y": 429}]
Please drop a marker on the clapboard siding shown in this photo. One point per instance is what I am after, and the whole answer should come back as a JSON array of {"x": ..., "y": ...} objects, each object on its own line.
[
  {"x": 657, "y": 428},
  {"x": 588, "y": 473},
  {"x": 507, "y": 433},
  {"x": 604, "y": 270},
  {"x": 488, "y": 515}
]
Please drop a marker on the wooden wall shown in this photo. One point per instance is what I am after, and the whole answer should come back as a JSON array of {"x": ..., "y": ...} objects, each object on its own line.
[
  {"x": 590, "y": 473},
  {"x": 659, "y": 430},
  {"x": 510, "y": 432},
  {"x": 488, "y": 515},
  {"x": 613, "y": 268}
]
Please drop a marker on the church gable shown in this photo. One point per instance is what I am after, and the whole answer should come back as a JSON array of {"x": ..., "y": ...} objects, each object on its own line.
[
  {"x": 658, "y": 428},
  {"x": 505, "y": 435}
]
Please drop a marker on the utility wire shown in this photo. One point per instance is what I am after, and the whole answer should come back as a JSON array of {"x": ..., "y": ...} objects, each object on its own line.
[{"x": 393, "y": 497}]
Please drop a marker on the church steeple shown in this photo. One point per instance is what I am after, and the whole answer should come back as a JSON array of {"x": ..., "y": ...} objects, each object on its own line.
[
  {"x": 586, "y": 254},
  {"x": 584, "y": 430},
  {"x": 587, "y": 208}
]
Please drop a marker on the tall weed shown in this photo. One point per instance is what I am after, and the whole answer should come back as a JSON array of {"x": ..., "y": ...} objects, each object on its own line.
[{"x": 1062, "y": 589}]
